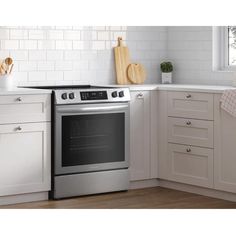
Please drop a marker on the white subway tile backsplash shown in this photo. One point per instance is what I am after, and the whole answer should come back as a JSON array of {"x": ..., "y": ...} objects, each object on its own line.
[
  {"x": 98, "y": 28},
  {"x": 37, "y": 76},
  {"x": 78, "y": 45},
  {"x": 72, "y": 55},
  {"x": 37, "y": 55},
  {"x": 4, "y": 54},
  {"x": 88, "y": 35},
  {"x": 78, "y": 55},
  {"x": 54, "y": 34},
  {"x": 115, "y": 28},
  {"x": 37, "y": 34},
  {"x": 103, "y": 35},
  {"x": 53, "y": 55},
  {"x": 55, "y": 75},
  {"x": 9, "y": 44},
  {"x": 98, "y": 45},
  {"x": 27, "y": 66},
  {"x": 80, "y": 65},
  {"x": 19, "y": 55},
  {"x": 71, "y": 35},
  {"x": 19, "y": 76},
  {"x": 28, "y": 44},
  {"x": 4, "y": 33},
  {"x": 63, "y": 65},
  {"x": 145, "y": 45},
  {"x": 45, "y": 66},
  {"x": 72, "y": 75},
  {"x": 63, "y": 45},
  {"x": 46, "y": 44},
  {"x": 88, "y": 55}
]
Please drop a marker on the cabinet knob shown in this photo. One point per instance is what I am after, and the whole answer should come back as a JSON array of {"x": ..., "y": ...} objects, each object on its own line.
[
  {"x": 18, "y": 128},
  {"x": 140, "y": 95},
  {"x": 188, "y": 122},
  {"x": 188, "y": 96},
  {"x": 188, "y": 150},
  {"x": 19, "y": 99}
]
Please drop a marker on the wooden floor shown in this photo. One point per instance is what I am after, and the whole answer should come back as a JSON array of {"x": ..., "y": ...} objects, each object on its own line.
[{"x": 148, "y": 198}]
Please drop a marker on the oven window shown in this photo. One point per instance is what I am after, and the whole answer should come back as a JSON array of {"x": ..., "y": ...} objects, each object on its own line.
[{"x": 93, "y": 139}]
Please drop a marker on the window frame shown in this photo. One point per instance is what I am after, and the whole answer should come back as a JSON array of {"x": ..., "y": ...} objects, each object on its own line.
[{"x": 220, "y": 38}]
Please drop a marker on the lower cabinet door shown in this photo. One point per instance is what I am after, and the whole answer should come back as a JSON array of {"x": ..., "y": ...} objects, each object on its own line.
[
  {"x": 24, "y": 158},
  {"x": 139, "y": 135},
  {"x": 190, "y": 165}
]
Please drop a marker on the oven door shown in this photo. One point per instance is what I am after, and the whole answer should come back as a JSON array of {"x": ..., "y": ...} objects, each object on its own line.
[{"x": 91, "y": 137}]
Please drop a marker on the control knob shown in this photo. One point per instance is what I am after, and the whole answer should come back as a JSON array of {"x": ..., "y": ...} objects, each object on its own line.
[
  {"x": 121, "y": 94},
  {"x": 71, "y": 95},
  {"x": 114, "y": 94},
  {"x": 64, "y": 96}
]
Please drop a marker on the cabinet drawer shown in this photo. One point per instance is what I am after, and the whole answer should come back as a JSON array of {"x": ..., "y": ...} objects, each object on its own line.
[
  {"x": 190, "y": 105},
  {"x": 190, "y": 131},
  {"x": 190, "y": 165},
  {"x": 25, "y": 108}
]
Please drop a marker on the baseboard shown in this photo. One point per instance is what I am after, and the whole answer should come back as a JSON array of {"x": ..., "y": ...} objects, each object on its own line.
[
  {"x": 144, "y": 183},
  {"x": 22, "y": 198},
  {"x": 198, "y": 190}
]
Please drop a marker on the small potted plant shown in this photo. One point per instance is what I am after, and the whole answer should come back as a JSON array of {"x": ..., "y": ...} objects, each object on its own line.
[{"x": 166, "y": 69}]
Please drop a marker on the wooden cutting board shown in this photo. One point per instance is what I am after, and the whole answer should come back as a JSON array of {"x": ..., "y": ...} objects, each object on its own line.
[
  {"x": 136, "y": 73},
  {"x": 122, "y": 60}
]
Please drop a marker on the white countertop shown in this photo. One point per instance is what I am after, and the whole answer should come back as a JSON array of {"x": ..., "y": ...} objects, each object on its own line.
[
  {"x": 15, "y": 91},
  {"x": 133, "y": 87},
  {"x": 175, "y": 87}
]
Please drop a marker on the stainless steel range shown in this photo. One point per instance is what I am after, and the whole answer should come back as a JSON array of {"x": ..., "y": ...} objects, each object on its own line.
[{"x": 91, "y": 140}]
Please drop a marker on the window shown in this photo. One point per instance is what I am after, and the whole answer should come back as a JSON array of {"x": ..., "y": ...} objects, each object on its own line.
[
  {"x": 231, "y": 45},
  {"x": 224, "y": 48}
]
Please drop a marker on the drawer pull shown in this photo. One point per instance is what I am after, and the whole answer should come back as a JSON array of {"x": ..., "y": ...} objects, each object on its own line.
[
  {"x": 188, "y": 122},
  {"x": 18, "y": 128},
  {"x": 188, "y": 150},
  {"x": 140, "y": 96},
  {"x": 188, "y": 96},
  {"x": 19, "y": 99}
]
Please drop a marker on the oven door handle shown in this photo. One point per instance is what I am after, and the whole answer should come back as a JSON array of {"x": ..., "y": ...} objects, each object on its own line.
[{"x": 90, "y": 109}]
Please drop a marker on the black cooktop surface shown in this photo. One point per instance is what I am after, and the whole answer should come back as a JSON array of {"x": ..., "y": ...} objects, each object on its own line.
[{"x": 70, "y": 87}]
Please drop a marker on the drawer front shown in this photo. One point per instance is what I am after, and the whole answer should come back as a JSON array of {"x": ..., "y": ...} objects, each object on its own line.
[
  {"x": 190, "y": 165},
  {"x": 25, "y": 108},
  {"x": 190, "y": 105},
  {"x": 190, "y": 131}
]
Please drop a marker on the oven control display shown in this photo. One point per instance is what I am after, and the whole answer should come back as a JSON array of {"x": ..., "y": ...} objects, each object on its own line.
[{"x": 94, "y": 95}]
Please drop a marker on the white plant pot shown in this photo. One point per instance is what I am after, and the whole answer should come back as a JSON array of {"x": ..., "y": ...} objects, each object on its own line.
[
  {"x": 166, "y": 78},
  {"x": 7, "y": 82}
]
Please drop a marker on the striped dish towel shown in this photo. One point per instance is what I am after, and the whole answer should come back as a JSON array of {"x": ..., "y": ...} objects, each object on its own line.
[{"x": 228, "y": 101}]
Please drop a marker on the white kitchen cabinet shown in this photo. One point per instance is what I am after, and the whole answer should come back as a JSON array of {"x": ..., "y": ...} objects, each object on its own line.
[
  {"x": 24, "y": 158},
  {"x": 139, "y": 135},
  {"x": 190, "y": 165},
  {"x": 190, "y": 131},
  {"x": 25, "y": 108},
  {"x": 225, "y": 148},
  {"x": 190, "y": 105},
  {"x": 186, "y": 144}
]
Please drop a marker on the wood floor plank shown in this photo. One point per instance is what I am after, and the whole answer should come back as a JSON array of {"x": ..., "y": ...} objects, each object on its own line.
[{"x": 147, "y": 198}]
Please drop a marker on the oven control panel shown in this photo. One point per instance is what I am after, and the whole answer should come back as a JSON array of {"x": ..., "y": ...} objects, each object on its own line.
[
  {"x": 93, "y": 95},
  {"x": 81, "y": 96}
]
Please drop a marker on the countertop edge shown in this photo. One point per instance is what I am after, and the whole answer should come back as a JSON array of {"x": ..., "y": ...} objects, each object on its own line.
[
  {"x": 24, "y": 91},
  {"x": 174, "y": 87}
]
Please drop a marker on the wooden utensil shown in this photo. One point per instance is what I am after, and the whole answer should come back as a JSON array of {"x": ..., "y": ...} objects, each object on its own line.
[
  {"x": 136, "y": 73},
  {"x": 8, "y": 61},
  {"x": 4, "y": 67},
  {"x": 122, "y": 60}
]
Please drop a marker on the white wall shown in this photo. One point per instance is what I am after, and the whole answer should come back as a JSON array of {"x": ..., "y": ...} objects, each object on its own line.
[
  {"x": 190, "y": 50},
  {"x": 79, "y": 55}
]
